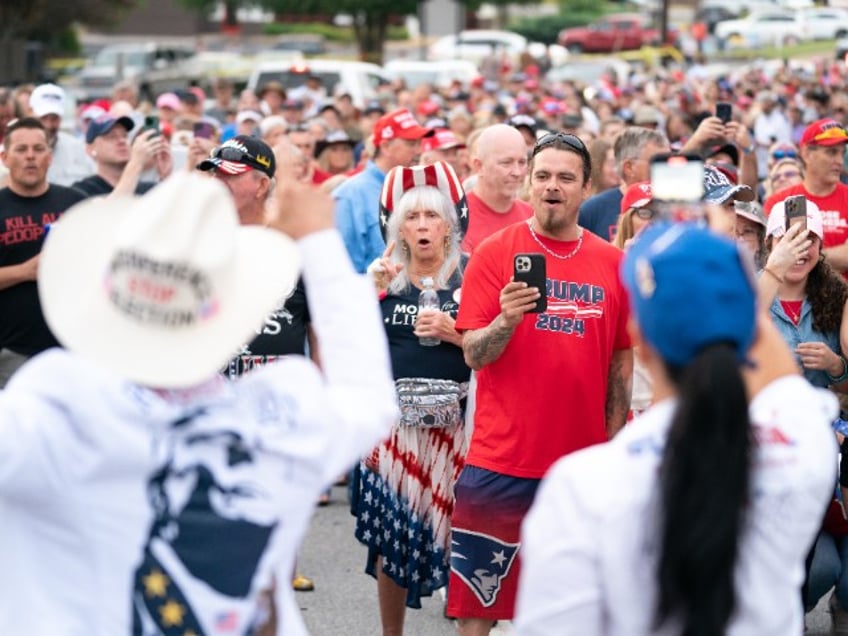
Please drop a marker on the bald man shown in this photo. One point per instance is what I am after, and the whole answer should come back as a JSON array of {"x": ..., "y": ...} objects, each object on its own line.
[{"x": 500, "y": 163}]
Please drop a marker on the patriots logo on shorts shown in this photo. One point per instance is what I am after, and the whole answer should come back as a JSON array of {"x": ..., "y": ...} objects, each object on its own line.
[{"x": 482, "y": 561}]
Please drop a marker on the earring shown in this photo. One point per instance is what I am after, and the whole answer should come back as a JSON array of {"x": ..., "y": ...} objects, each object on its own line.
[
  {"x": 447, "y": 243},
  {"x": 404, "y": 247}
]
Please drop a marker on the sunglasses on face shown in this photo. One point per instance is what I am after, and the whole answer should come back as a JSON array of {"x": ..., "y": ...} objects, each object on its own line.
[{"x": 551, "y": 139}]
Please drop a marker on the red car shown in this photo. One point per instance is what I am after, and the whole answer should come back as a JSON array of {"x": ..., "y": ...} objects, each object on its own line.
[{"x": 615, "y": 32}]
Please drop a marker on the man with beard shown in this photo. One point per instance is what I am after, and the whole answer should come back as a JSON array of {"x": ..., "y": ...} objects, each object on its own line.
[{"x": 548, "y": 383}]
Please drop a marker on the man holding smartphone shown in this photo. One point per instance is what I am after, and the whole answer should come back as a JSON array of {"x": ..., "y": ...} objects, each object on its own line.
[
  {"x": 549, "y": 383},
  {"x": 117, "y": 160}
]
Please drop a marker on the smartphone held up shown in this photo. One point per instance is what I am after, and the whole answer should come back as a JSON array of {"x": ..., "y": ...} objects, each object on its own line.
[
  {"x": 677, "y": 184},
  {"x": 795, "y": 208},
  {"x": 530, "y": 268}
]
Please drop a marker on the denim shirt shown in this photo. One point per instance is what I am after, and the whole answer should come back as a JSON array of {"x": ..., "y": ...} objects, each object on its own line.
[
  {"x": 358, "y": 216},
  {"x": 803, "y": 332}
]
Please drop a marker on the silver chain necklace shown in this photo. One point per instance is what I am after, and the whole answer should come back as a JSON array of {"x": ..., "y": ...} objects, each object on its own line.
[{"x": 562, "y": 257}]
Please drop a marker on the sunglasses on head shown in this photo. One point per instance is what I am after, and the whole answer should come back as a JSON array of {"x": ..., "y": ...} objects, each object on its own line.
[
  {"x": 784, "y": 154},
  {"x": 228, "y": 153},
  {"x": 552, "y": 139}
]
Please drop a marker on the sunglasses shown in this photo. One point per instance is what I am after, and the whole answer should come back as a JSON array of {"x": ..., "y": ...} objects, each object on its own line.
[
  {"x": 552, "y": 139},
  {"x": 228, "y": 153},
  {"x": 784, "y": 154}
]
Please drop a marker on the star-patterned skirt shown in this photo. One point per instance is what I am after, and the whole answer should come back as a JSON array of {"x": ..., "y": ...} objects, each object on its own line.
[{"x": 404, "y": 503}]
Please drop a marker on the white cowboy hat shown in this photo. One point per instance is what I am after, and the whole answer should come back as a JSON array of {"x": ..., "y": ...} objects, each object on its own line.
[{"x": 162, "y": 289}]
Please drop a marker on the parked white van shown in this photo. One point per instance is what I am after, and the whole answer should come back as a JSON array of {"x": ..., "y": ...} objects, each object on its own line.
[{"x": 361, "y": 80}]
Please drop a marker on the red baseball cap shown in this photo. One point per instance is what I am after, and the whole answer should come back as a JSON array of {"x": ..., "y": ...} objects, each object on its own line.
[
  {"x": 638, "y": 195},
  {"x": 399, "y": 123},
  {"x": 441, "y": 139},
  {"x": 824, "y": 132}
]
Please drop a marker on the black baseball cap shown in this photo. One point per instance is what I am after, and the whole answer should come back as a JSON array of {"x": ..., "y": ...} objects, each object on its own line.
[{"x": 240, "y": 154}]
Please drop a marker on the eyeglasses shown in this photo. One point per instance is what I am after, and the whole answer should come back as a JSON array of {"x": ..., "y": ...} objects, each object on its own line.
[
  {"x": 747, "y": 233},
  {"x": 645, "y": 213},
  {"x": 551, "y": 139},
  {"x": 784, "y": 154},
  {"x": 783, "y": 176}
]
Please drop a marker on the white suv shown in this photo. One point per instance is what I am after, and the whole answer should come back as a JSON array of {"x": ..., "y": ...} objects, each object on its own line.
[{"x": 360, "y": 80}]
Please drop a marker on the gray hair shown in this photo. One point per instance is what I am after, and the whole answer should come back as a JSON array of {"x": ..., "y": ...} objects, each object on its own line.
[
  {"x": 631, "y": 141},
  {"x": 427, "y": 198}
]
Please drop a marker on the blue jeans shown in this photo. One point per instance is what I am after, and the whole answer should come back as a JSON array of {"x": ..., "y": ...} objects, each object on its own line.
[{"x": 828, "y": 569}]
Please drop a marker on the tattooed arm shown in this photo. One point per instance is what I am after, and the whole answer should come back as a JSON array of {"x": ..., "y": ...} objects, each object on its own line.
[
  {"x": 484, "y": 346},
  {"x": 619, "y": 390}
]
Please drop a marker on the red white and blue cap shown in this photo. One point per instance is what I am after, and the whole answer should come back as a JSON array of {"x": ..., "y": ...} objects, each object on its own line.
[
  {"x": 439, "y": 175},
  {"x": 240, "y": 154}
]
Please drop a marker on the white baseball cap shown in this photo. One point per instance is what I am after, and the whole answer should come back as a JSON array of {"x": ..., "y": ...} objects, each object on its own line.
[{"x": 47, "y": 99}]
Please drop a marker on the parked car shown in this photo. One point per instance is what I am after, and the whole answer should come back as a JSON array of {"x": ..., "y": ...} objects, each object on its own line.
[
  {"x": 766, "y": 28},
  {"x": 615, "y": 32},
  {"x": 154, "y": 67},
  {"x": 360, "y": 80},
  {"x": 738, "y": 7},
  {"x": 589, "y": 70},
  {"x": 825, "y": 23},
  {"x": 476, "y": 44},
  {"x": 436, "y": 73},
  {"x": 711, "y": 16},
  {"x": 841, "y": 48}
]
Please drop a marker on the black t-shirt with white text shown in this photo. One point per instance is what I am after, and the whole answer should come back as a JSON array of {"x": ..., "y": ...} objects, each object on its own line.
[{"x": 22, "y": 221}]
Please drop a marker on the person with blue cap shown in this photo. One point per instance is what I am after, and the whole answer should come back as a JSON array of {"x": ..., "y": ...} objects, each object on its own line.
[{"x": 696, "y": 518}]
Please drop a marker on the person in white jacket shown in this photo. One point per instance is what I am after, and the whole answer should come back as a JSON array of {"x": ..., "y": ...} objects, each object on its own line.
[
  {"x": 141, "y": 492},
  {"x": 697, "y": 517}
]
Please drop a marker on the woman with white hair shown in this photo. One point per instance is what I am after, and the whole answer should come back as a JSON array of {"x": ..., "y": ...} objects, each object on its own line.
[{"x": 404, "y": 496}]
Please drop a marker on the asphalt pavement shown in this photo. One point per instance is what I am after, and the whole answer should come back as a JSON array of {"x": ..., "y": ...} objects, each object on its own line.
[{"x": 344, "y": 601}]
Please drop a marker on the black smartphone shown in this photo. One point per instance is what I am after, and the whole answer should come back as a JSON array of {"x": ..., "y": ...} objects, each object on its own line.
[
  {"x": 203, "y": 130},
  {"x": 795, "y": 208},
  {"x": 151, "y": 122},
  {"x": 530, "y": 269},
  {"x": 724, "y": 111}
]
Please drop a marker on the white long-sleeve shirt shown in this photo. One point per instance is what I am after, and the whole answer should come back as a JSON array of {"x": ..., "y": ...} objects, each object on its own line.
[
  {"x": 115, "y": 496},
  {"x": 590, "y": 541}
]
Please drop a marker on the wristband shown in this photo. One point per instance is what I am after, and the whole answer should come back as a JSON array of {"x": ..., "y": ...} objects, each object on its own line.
[
  {"x": 840, "y": 378},
  {"x": 750, "y": 149},
  {"x": 771, "y": 273}
]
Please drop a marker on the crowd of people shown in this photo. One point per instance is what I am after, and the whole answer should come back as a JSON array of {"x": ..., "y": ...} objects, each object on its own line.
[{"x": 643, "y": 444}]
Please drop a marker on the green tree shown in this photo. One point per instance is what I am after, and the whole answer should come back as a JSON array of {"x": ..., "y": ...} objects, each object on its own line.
[{"x": 370, "y": 18}]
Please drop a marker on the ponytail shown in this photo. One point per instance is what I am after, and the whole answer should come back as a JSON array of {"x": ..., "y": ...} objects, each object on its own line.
[{"x": 704, "y": 489}]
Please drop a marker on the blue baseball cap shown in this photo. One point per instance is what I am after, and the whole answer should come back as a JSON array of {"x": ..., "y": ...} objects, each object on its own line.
[
  {"x": 690, "y": 288},
  {"x": 104, "y": 124}
]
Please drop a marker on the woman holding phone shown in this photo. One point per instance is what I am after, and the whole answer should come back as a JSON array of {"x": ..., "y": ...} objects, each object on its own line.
[
  {"x": 809, "y": 305},
  {"x": 718, "y": 510}
]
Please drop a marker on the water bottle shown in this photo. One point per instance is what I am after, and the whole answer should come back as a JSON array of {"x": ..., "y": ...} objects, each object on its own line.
[{"x": 428, "y": 301}]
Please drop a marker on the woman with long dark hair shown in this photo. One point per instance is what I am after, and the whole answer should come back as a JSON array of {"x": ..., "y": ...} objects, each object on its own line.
[{"x": 696, "y": 518}]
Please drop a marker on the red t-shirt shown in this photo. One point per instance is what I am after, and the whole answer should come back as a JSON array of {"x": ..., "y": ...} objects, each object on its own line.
[
  {"x": 483, "y": 221},
  {"x": 546, "y": 394},
  {"x": 834, "y": 209}
]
